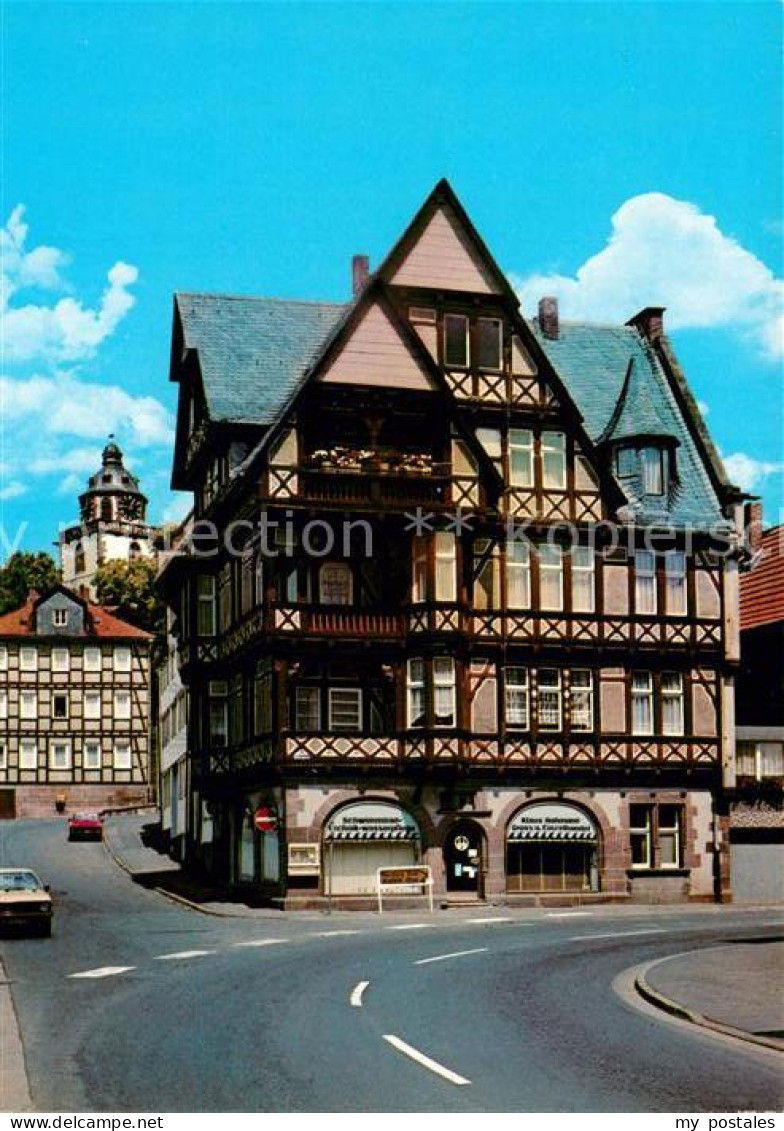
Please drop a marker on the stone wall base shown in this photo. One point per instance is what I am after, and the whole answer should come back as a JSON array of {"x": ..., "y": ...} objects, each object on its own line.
[{"x": 41, "y": 800}]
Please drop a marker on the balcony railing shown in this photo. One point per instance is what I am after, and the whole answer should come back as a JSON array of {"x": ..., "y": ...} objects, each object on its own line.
[
  {"x": 375, "y": 480},
  {"x": 352, "y": 622}
]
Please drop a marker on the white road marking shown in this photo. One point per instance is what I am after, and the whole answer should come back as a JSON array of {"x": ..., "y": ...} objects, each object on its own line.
[
  {"x": 103, "y": 972},
  {"x": 261, "y": 942},
  {"x": 182, "y": 954},
  {"x": 425, "y": 1061},
  {"x": 495, "y": 919},
  {"x": 618, "y": 934},
  {"x": 408, "y": 927},
  {"x": 334, "y": 934},
  {"x": 454, "y": 954},
  {"x": 566, "y": 914},
  {"x": 356, "y": 994}
]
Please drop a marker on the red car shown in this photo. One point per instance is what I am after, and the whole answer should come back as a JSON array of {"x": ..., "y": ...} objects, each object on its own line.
[{"x": 85, "y": 826}]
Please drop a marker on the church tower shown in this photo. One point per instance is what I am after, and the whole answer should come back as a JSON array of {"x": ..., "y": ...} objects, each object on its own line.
[{"x": 112, "y": 525}]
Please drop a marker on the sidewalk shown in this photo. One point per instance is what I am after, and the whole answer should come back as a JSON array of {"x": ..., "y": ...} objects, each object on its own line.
[{"x": 736, "y": 988}]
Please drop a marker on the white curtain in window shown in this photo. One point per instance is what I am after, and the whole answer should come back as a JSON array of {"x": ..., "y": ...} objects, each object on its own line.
[
  {"x": 554, "y": 460},
  {"x": 444, "y": 687},
  {"x": 551, "y": 577},
  {"x": 642, "y": 703},
  {"x": 675, "y": 574},
  {"x": 672, "y": 703},
  {"x": 518, "y": 575},
  {"x": 583, "y": 583},
  {"x": 446, "y": 566},
  {"x": 645, "y": 582}
]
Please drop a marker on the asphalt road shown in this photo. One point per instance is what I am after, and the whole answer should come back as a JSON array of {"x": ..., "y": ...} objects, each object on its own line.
[{"x": 522, "y": 1017}]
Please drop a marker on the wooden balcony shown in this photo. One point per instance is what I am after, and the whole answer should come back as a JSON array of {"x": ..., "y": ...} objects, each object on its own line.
[
  {"x": 374, "y": 486},
  {"x": 352, "y": 622}
]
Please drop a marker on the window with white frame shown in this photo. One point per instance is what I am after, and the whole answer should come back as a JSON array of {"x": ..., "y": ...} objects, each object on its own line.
[
  {"x": 553, "y": 447},
  {"x": 446, "y": 565},
  {"x": 3, "y": 658},
  {"x": 60, "y": 754},
  {"x": 336, "y": 584},
  {"x": 92, "y": 754},
  {"x": 345, "y": 708},
  {"x": 206, "y": 611},
  {"x": 642, "y": 703},
  {"x": 415, "y": 693},
  {"x": 652, "y": 470},
  {"x": 444, "y": 691},
  {"x": 669, "y": 839},
  {"x": 549, "y": 697},
  {"x": 122, "y": 705},
  {"x": 675, "y": 587},
  {"x": 3, "y": 756},
  {"x": 550, "y": 577},
  {"x": 516, "y": 698},
  {"x": 307, "y": 709},
  {"x": 92, "y": 659},
  {"x": 521, "y": 457},
  {"x": 641, "y": 835},
  {"x": 672, "y": 703},
  {"x": 60, "y": 660},
  {"x": 28, "y": 705},
  {"x": 418, "y": 569},
  {"x": 518, "y": 574},
  {"x": 59, "y": 704},
  {"x": 28, "y": 658},
  {"x": 489, "y": 343},
  {"x": 60, "y": 618},
  {"x": 583, "y": 580},
  {"x": 3, "y": 703},
  {"x": 122, "y": 659},
  {"x": 644, "y": 582},
  {"x": 456, "y": 341},
  {"x": 28, "y": 754},
  {"x": 581, "y": 700},
  {"x": 92, "y": 704},
  {"x": 122, "y": 759}
]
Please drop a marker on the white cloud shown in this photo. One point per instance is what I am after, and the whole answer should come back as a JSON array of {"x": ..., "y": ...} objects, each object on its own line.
[
  {"x": 176, "y": 510},
  {"x": 65, "y": 330},
  {"x": 667, "y": 252},
  {"x": 749, "y": 473},
  {"x": 12, "y": 490}
]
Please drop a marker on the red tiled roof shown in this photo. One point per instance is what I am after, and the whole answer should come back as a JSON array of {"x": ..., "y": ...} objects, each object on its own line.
[
  {"x": 99, "y": 622},
  {"x": 762, "y": 588}
]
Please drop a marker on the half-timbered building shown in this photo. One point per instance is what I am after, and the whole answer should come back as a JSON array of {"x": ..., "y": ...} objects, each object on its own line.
[
  {"x": 74, "y": 708},
  {"x": 461, "y": 588}
]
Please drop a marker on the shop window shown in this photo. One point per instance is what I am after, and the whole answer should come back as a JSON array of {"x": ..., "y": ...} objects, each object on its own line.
[
  {"x": 642, "y": 703},
  {"x": 335, "y": 584},
  {"x": 581, "y": 701},
  {"x": 672, "y": 703},
  {"x": 516, "y": 698},
  {"x": 675, "y": 588},
  {"x": 456, "y": 341},
  {"x": 445, "y": 691},
  {"x": 550, "y": 577},
  {"x": 553, "y": 446},
  {"x": 345, "y": 708},
  {"x": 583, "y": 580},
  {"x": 644, "y": 582},
  {"x": 415, "y": 688},
  {"x": 521, "y": 457},
  {"x": 489, "y": 343},
  {"x": 307, "y": 702},
  {"x": 518, "y": 574},
  {"x": 656, "y": 836},
  {"x": 549, "y": 699}
]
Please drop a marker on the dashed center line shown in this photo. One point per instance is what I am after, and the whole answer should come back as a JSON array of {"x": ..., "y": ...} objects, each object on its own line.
[
  {"x": 182, "y": 954},
  {"x": 618, "y": 934},
  {"x": 334, "y": 934},
  {"x": 260, "y": 942},
  {"x": 454, "y": 954},
  {"x": 425, "y": 1061},
  {"x": 494, "y": 919},
  {"x": 103, "y": 972},
  {"x": 356, "y": 994},
  {"x": 408, "y": 927},
  {"x": 567, "y": 914}
]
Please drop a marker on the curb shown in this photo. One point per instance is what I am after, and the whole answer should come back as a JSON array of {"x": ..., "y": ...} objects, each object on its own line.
[{"x": 677, "y": 1009}]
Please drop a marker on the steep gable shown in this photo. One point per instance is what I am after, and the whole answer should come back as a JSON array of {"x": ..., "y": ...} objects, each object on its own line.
[
  {"x": 443, "y": 256},
  {"x": 374, "y": 353}
]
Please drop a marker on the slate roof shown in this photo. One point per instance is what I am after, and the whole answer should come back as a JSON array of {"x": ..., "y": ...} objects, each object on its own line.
[
  {"x": 762, "y": 588},
  {"x": 617, "y": 402},
  {"x": 253, "y": 352}
]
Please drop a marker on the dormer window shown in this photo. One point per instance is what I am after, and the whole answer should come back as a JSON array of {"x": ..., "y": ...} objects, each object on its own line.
[
  {"x": 651, "y": 467},
  {"x": 456, "y": 350},
  {"x": 647, "y": 463}
]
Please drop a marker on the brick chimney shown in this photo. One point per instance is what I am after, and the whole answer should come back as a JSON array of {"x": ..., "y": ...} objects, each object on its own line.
[
  {"x": 649, "y": 322},
  {"x": 360, "y": 273},
  {"x": 752, "y": 525},
  {"x": 548, "y": 316}
]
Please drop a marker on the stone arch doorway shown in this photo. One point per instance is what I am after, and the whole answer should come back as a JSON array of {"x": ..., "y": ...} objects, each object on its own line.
[{"x": 464, "y": 858}]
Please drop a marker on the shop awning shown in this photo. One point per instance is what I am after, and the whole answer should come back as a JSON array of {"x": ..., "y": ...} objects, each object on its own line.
[
  {"x": 550, "y": 835},
  {"x": 372, "y": 834}
]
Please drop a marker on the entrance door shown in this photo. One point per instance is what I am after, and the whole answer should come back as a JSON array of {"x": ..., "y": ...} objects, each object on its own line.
[
  {"x": 463, "y": 858},
  {"x": 7, "y": 804}
]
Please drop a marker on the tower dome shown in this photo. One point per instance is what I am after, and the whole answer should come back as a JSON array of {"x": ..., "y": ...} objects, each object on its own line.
[{"x": 113, "y": 494}]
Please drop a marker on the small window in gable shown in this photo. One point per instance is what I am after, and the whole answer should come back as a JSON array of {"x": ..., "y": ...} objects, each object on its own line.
[
  {"x": 456, "y": 340},
  {"x": 489, "y": 343}
]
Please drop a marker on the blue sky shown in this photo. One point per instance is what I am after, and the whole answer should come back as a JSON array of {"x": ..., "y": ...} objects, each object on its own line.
[{"x": 254, "y": 147}]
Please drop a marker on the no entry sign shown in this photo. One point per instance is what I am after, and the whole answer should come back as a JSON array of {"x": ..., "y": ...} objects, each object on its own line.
[{"x": 265, "y": 819}]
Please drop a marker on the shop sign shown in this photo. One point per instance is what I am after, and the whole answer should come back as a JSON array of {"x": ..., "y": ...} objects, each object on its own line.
[
  {"x": 545, "y": 821},
  {"x": 371, "y": 820}
]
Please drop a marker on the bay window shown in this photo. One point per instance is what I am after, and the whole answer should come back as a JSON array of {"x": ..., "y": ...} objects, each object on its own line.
[
  {"x": 335, "y": 584},
  {"x": 644, "y": 582},
  {"x": 550, "y": 577},
  {"x": 549, "y": 698},
  {"x": 307, "y": 709},
  {"x": 345, "y": 708},
  {"x": 553, "y": 446}
]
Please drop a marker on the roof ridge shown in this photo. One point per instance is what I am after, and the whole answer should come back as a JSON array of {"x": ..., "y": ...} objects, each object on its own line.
[{"x": 260, "y": 298}]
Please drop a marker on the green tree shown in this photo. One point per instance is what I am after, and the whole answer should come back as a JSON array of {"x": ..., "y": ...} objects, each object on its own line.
[
  {"x": 129, "y": 589},
  {"x": 23, "y": 572}
]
